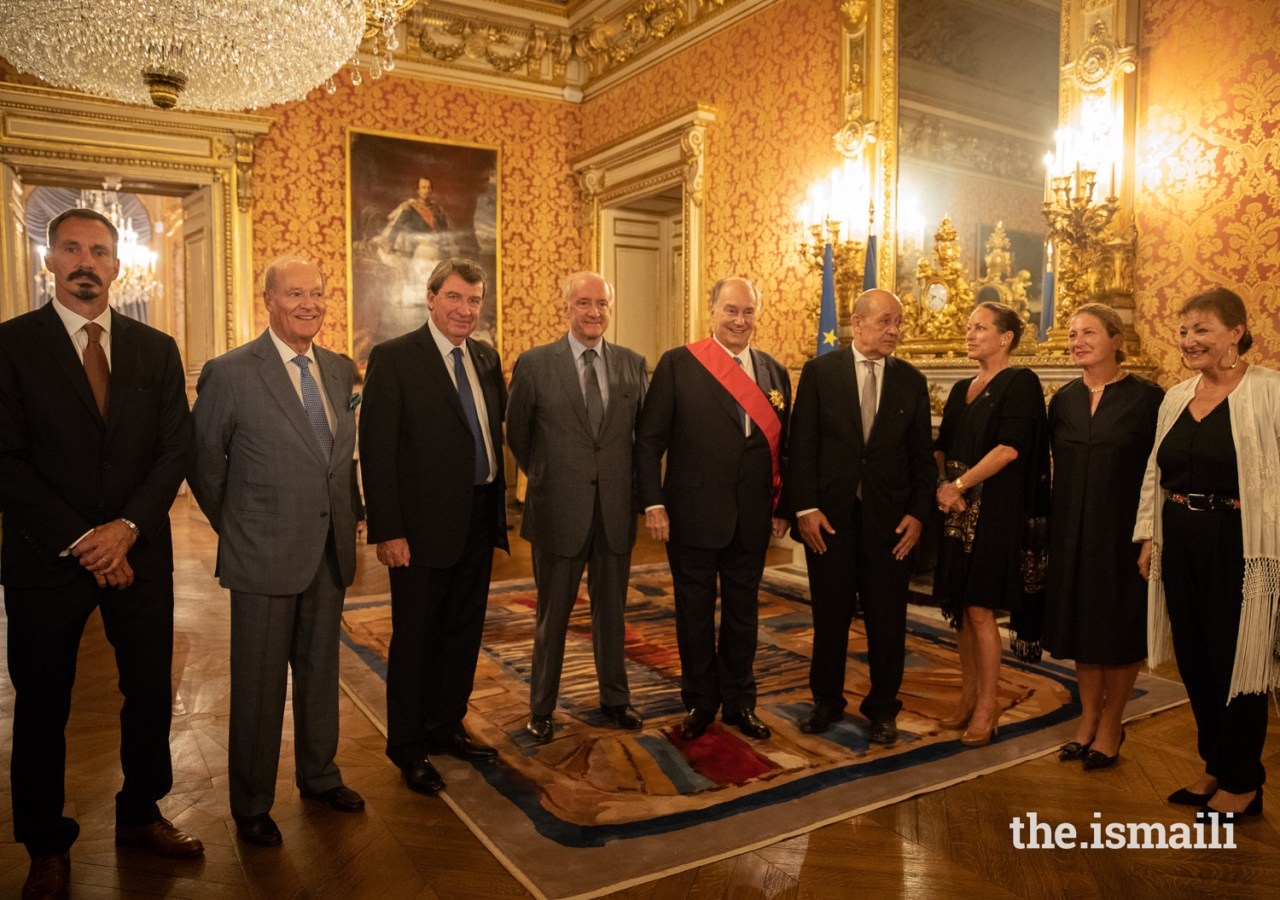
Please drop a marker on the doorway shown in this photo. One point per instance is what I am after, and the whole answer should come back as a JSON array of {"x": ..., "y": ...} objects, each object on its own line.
[{"x": 643, "y": 259}]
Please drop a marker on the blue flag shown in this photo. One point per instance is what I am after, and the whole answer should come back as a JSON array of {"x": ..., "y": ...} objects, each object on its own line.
[
  {"x": 869, "y": 269},
  {"x": 1046, "y": 306},
  {"x": 827, "y": 340}
]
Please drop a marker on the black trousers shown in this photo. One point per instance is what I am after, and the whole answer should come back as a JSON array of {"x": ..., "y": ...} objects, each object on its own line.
[
  {"x": 45, "y": 626},
  {"x": 838, "y": 578},
  {"x": 437, "y": 621},
  {"x": 717, "y": 673},
  {"x": 1202, "y": 566}
]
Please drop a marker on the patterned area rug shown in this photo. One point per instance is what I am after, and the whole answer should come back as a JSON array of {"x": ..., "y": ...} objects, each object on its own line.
[{"x": 598, "y": 809}]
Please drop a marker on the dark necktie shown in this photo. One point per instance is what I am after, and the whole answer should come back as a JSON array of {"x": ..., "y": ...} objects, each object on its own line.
[
  {"x": 473, "y": 418},
  {"x": 95, "y": 366},
  {"x": 742, "y": 413},
  {"x": 315, "y": 407},
  {"x": 595, "y": 402}
]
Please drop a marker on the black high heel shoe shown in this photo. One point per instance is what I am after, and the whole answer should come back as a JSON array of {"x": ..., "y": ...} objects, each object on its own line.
[
  {"x": 1073, "y": 750},
  {"x": 1184, "y": 797},
  {"x": 1253, "y": 809},
  {"x": 1096, "y": 759}
]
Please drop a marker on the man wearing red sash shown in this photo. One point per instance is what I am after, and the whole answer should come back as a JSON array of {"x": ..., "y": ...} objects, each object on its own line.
[{"x": 718, "y": 409}]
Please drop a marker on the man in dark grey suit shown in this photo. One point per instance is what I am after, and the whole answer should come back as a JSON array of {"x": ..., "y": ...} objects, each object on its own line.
[
  {"x": 275, "y": 436},
  {"x": 571, "y": 421}
]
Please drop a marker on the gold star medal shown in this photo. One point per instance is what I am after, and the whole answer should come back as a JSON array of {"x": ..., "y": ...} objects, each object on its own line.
[{"x": 775, "y": 397}]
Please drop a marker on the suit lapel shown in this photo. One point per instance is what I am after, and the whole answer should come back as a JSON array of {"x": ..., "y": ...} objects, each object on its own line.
[
  {"x": 124, "y": 359},
  {"x": 567, "y": 367},
  {"x": 887, "y": 392},
  {"x": 489, "y": 390},
  {"x": 339, "y": 395},
  {"x": 436, "y": 366},
  {"x": 617, "y": 387},
  {"x": 849, "y": 372},
  {"x": 64, "y": 351},
  {"x": 764, "y": 378},
  {"x": 280, "y": 386}
]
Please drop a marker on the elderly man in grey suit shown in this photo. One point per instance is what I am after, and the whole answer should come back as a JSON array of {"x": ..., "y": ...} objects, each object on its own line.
[
  {"x": 571, "y": 421},
  {"x": 275, "y": 436}
]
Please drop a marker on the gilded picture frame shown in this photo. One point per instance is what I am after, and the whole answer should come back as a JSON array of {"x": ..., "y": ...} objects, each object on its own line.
[{"x": 413, "y": 201}]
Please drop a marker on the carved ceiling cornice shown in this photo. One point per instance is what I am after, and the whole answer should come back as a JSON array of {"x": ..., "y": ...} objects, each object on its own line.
[{"x": 557, "y": 50}]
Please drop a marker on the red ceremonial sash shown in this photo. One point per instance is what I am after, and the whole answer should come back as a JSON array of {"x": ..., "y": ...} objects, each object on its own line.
[{"x": 716, "y": 360}]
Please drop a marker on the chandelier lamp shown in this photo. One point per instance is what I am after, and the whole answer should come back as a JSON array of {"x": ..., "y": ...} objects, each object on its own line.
[{"x": 196, "y": 54}]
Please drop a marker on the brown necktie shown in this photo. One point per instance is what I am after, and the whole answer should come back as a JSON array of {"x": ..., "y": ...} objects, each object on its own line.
[{"x": 95, "y": 366}]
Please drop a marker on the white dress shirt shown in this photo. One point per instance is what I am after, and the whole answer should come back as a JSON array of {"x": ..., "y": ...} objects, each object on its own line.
[
  {"x": 860, "y": 367},
  {"x": 287, "y": 354},
  {"x": 446, "y": 347},
  {"x": 602, "y": 371},
  {"x": 74, "y": 323}
]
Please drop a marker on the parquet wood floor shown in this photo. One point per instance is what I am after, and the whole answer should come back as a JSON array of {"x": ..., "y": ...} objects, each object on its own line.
[{"x": 954, "y": 843}]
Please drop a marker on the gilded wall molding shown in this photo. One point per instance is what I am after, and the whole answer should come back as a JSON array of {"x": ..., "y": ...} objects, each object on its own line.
[
  {"x": 668, "y": 153},
  {"x": 568, "y": 52}
]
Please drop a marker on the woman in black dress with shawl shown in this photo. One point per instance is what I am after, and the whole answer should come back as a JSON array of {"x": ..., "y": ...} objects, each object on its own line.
[
  {"x": 993, "y": 463},
  {"x": 1101, "y": 428}
]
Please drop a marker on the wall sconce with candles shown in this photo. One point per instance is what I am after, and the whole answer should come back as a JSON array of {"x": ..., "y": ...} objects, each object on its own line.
[
  {"x": 1093, "y": 242},
  {"x": 833, "y": 214}
]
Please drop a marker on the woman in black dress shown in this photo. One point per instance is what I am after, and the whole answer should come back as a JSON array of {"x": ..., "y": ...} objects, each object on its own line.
[
  {"x": 993, "y": 466},
  {"x": 1101, "y": 427}
]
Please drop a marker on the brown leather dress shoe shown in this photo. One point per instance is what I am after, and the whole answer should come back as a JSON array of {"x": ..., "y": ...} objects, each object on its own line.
[
  {"x": 49, "y": 878},
  {"x": 161, "y": 838}
]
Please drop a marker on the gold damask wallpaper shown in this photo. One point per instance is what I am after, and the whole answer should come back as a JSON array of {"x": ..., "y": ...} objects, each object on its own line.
[
  {"x": 1208, "y": 162},
  {"x": 774, "y": 79},
  {"x": 299, "y": 199}
]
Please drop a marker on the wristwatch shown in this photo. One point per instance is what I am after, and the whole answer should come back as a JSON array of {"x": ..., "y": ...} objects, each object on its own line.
[
  {"x": 959, "y": 485},
  {"x": 132, "y": 527}
]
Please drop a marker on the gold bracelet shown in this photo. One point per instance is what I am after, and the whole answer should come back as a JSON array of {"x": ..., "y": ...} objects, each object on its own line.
[{"x": 959, "y": 485}]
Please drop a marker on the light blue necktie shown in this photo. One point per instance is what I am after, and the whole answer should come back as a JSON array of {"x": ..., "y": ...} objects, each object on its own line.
[
  {"x": 473, "y": 418},
  {"x": 315, "y": 407}
]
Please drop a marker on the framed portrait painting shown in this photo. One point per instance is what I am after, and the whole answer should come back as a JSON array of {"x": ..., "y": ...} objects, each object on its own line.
[{"x": 412, "y": 202}]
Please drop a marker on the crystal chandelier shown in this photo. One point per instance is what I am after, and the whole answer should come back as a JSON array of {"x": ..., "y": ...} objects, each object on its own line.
[
  {"x": 193, "y": 54},
  {"x": 381, "y": 19}
]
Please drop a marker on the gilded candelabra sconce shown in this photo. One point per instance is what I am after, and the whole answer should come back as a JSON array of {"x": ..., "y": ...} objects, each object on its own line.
[
  {"x": 935, "y": 324},
  {"x": 1093, "y": 243},
  {"x": 832, "y": 216}
]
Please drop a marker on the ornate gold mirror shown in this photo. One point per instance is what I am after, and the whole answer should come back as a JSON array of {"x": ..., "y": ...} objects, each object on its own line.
[{"x": 977, "y": 110}]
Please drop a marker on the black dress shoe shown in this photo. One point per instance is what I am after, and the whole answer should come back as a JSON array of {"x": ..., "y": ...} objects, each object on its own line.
[
  {"x": 820, "y": 718},
  {"x": 1096, "y": 759},
  {"x": 883, "y": 731},
  {"x": 695, "y": 724},
  {"x": 748, "y": 724},
  {"x": 1073, "y": 750},
  {"x": 422, "y": 777},
  {"x": 461, "y": 745},
  {"x": 259, "y": 829},
  {"x": 624, "y": 716},
  {"x": 541, "y": 728},
  {"x": 1253, "y": 809},
  {"x": 341, "y": 798},
  {"x": 1184, "y": 797}
]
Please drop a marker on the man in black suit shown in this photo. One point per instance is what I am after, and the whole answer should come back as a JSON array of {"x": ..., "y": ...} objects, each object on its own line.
[
  {"x": 718, "y": 409},
  {"x": 431, "y": 457},
  {"x": 861, "y": 480},
  {"x": 95, "y": 436}
]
